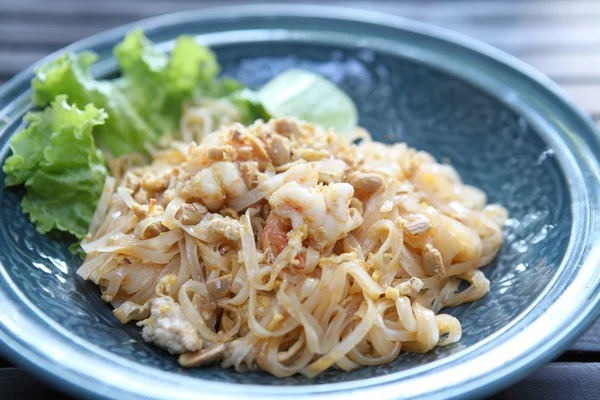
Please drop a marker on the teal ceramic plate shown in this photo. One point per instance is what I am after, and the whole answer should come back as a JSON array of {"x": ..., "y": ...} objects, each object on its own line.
[{"x": 506, "y": 128}]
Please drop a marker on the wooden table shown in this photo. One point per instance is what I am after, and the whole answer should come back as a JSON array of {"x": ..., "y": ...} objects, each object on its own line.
[{"x": 559, "y": 37}]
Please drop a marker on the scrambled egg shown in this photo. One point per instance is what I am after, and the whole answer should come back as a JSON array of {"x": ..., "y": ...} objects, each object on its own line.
[{"x": 167, "y": 327}]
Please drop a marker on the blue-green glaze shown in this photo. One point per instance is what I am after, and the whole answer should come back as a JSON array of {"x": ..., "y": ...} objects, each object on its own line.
[{"x": 506, "y": 128}]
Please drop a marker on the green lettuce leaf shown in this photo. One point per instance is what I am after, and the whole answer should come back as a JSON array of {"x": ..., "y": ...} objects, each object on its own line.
[
  {"x": 249, "y": 106},
  {"x": 142, "y": 69},
  {"x": 157, "y": 84},
  {"x": 146, "y": 102},
  {"x": 191, "y": 66},
  {"x": 125, "y": 131},
  {"x": 56, "y": 158}
]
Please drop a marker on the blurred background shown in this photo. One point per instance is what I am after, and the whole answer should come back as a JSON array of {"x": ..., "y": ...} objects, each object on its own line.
[{"x": 559, "y": 37}]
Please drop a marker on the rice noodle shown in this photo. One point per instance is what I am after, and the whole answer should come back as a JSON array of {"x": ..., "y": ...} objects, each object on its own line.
[
  {"x": 103, "y": 204},
  {"x": 288, "y": 248}
]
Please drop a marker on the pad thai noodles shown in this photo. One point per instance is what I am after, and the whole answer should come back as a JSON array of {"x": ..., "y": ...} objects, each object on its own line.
[
  {"x": 288, "y": 247},
  {"x": 279, "y": 245}
]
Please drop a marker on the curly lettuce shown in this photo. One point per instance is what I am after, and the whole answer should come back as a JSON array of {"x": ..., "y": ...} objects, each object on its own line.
[
  {"x": 157, "y": 84},
  {"x": 57, "y": 160},
  {"x": 124, "y": 132},
  {"x": 145, "y": 103}
]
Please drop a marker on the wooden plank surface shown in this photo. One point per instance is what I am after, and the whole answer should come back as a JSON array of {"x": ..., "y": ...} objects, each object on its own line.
[
  {"x": 17, "y": 384},
  {"x": 561, "y": 38},
  {"x": 556, "y": 381}
]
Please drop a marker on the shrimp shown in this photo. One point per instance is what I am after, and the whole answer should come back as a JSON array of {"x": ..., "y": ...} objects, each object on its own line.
[
  {"x": 215, "y": 184},
  {"x": 274, "y": 239},
  {"x": 325, "y": 210},
  {"x": 305, "y": 175},
  {"x": 441, "y": 184},
  {"x": 456, "y": 242}
]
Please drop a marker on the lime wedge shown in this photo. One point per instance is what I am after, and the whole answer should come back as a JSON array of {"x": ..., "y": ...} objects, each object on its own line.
[{"x": 310, "y": 97}]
